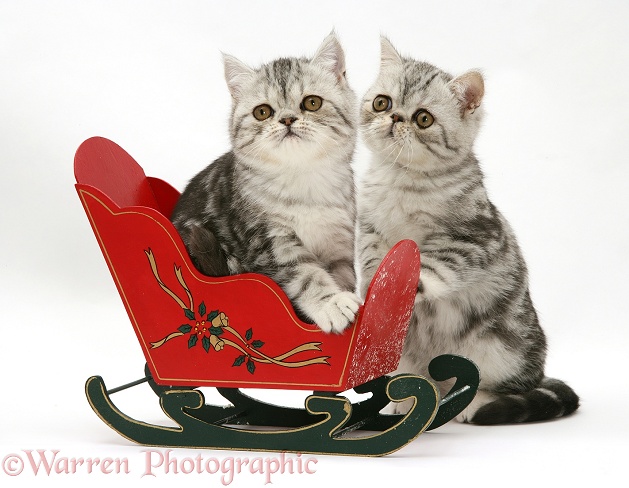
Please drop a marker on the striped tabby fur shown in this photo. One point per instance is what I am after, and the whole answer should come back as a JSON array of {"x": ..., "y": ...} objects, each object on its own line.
[
  {"x": 282, "y": 202},
  {"x": 424, "y": 183}
]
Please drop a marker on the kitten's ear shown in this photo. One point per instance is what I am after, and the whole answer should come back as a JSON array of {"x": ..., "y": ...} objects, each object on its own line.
[
  {"x": 468, "y": 89},
  {"x": 236, "y": 74},
  {"x": 388, "y": 54},
  {"x": 331, "y": 57}
]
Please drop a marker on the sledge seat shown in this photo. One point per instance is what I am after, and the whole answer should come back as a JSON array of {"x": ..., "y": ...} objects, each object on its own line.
[{"x": 236, "y": 331}]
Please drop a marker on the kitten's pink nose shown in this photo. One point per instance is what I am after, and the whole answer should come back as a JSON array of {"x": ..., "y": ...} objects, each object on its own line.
[
  {"x": 397, "y": 118},
  {"x": 288, "y": 120}
]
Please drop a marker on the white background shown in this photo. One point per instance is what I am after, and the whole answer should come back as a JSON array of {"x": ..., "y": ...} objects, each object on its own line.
[{"x": 148, "y": 75}]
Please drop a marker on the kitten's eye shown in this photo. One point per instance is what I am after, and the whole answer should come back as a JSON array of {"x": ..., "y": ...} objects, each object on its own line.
[
  {"x": 382, "y": 103},
  {"x": 312, "y": 103},
  {"x": 262, "y": 112},
  {"x": 424, "y": 118}
]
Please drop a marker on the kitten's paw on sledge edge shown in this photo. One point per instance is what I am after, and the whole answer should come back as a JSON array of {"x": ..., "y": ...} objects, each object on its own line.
[{"x": 338, "y": 312}]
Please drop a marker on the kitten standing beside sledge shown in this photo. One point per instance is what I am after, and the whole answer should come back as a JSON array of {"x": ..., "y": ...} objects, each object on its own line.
[
  {"x": 282, "y": 201},
  {"x": 424, "y": 183}
]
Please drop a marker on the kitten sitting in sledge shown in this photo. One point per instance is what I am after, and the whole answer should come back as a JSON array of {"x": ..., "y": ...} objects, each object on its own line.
[{"x": 282, "y": 201}]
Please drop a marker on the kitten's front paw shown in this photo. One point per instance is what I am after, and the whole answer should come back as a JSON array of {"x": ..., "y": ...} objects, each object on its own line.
[
  {"x": 430, "y": 287},
  {"x": 338, "y": 312}
]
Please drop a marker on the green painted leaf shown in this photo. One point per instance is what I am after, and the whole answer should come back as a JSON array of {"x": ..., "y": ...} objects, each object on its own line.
[
  {"x": 212, "y": 315},
  {"x": 257, "y": 344},
  {"x": 249, "y": 334},
  {"x": 202, "y": 309},
  {"x": 251, "y": 367},
  {"x": 184, "y": 329},
  {"x": 206, "y": 343},
  {"x": 189, "y": 314},
  {"x": 239, "y": 360},
  {"x": 192, "y": 341},
  {"x": 216, "y": 331}
]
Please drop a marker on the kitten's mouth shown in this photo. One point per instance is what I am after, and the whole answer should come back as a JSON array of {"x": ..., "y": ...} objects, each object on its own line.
[{"x": 289, "y": 134}]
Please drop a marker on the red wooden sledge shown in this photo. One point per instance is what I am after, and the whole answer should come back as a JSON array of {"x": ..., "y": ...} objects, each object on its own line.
[{"x": 233, "y": 332}]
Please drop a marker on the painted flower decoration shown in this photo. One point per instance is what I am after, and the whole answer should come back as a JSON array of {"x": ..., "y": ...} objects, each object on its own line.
[{"x": 210, "y": 330}]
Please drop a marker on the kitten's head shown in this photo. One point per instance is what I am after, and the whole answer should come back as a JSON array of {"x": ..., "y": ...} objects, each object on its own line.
[
  {"x": 416, "y": 114},
  {"x": 292, "y": 110}
]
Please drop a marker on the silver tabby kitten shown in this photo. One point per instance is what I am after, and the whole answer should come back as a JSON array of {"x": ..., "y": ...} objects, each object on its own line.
[
  {"x": 424, "y": 183},
  {"x": 282, "y": 201}
]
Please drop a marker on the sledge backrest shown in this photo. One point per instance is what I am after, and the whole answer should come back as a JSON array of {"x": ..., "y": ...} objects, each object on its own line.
[{"x": 104, "y": 165}]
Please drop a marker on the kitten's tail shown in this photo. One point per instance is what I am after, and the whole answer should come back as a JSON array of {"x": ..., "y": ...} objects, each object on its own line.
[
  {"x": 205, "y": 250},
  {"x": 551, "y": 399}
]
